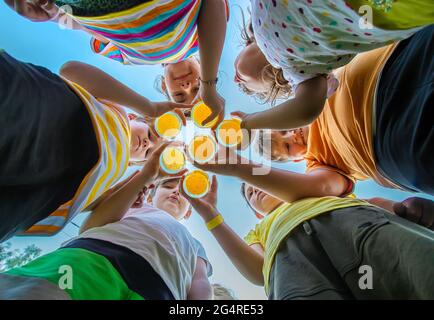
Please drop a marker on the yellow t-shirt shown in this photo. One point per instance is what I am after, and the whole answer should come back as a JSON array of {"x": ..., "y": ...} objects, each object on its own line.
[
  {"x": 340, "y": 139},
  {"x": 276, "y": 226}
]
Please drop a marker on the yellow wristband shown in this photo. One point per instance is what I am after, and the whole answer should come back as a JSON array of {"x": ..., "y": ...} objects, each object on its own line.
[{"x": 215, "y": 222}]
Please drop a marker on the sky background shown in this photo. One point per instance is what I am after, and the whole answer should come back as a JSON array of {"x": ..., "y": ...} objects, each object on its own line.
[{"x": 47, "y": 45}]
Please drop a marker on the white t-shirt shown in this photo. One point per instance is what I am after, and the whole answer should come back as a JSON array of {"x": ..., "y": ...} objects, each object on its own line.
[
  {"x": 159, "y": 238},
  {"x": 308, "y": 38}
]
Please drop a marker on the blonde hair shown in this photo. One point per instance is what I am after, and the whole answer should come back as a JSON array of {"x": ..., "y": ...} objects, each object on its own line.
[
  {"x": 279, "y": 87},
  {"x": 222, "y": 293}
]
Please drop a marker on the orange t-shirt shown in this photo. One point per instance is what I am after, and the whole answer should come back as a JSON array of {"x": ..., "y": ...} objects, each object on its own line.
[{"x": 341, "y": 138}]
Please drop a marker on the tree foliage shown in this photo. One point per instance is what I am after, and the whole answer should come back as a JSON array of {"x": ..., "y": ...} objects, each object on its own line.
[{"x": 13, "y": 258}]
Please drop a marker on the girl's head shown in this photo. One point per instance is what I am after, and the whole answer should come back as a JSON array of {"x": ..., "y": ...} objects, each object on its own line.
[
  {"x": 260, "y": 202},
  {"x": 255, "y": 75},
  {"x": 143, "y": 139},
  {"x": 283, "y": 146},
  {"x": 180, "y": 82},
  {"x": 166, "y": 196}
]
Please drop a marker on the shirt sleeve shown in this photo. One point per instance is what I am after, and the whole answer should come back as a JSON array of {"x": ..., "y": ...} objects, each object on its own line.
[
  {"x": 108, "y": 50},
  {"x": 253, "y": 236},
  {"x": 201, "y": 253}
]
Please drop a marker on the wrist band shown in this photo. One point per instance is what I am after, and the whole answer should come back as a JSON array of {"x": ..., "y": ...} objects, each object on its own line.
[
  {"x": 210, "y": 82},
  {"x": 215, "y": 222}
]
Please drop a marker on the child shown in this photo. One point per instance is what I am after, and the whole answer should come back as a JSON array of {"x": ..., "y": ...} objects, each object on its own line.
[
  {"x": 124, "y": 253},
  {"x": 384, "y": 103},
  {"x": 292, "y": 48},
  {"x": 151, "y": 32},
  {"x": 64, "y": 142},
  {"x": 315, "y": 248}
]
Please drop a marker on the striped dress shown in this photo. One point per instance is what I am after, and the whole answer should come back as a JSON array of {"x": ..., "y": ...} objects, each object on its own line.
[
  {"x": 113, "y": 135},
  {"x": 155, "y": 32}
]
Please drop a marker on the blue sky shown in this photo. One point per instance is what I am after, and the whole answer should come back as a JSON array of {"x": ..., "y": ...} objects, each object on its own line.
[{"x": 47, "y": 45}]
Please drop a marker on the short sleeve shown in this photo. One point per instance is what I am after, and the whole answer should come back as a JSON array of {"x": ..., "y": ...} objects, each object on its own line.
[
  {"x": 253, "y": 236},
  {"x": 202, "y": 254},
  {"x": 108, "y": 50}
]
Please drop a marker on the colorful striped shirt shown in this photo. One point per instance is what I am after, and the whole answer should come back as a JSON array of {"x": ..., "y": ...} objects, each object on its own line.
[
  {"x": 155, "y": 32},
  {"x": 113, "y": 134}
]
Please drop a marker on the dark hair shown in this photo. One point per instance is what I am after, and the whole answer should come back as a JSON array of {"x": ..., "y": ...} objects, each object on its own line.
[
  {"x": 243, "y": 193},
  {"x": 279, "y": 87}
]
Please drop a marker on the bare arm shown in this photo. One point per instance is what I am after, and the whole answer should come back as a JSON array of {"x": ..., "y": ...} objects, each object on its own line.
[
  {"x": 294, "y": 113},
  {"x": 386, "y": 204},
  {"x": 283, "y": 184},
  {"x": 291, "y": 186},
  {"x": 117, "y": 203},
  {"x": 115, "y": 206},
  {"x": 247, "y": 260},
  {"x": 211, "y": 32},
  {"x": 103, "y": 86},
  {"x": 200, "y": 287}
]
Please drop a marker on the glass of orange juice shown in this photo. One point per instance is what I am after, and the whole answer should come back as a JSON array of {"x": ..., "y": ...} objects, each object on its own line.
[
  {"x": 229, "y": 132},
  {"x": 168, "y": 125},
  {"x": 196, "y": 184},
  {"x": 199, "y": 113},
  {"x": 172, "y": 160},
  {"x": 202, "y": 148}
]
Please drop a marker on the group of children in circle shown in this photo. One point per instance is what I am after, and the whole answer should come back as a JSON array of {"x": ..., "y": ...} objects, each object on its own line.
[{"x": 345, "y": 124}]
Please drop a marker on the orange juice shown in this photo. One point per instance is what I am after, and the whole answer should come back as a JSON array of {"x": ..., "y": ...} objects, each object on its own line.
[
  {"x": 196, "y": 184},
  {"x": 229, "y": 132},
  {"x": 172, "y": 160},
  {"x": 199, "y": 113},
  {"x": 202, "y": 148},
  {"x": 168, "y": 125}
]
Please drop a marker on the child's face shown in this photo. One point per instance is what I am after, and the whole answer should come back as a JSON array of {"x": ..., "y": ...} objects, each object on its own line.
[
  {"x": 143, "y": 140},
  {"x": 168, "y": 198},
  {"x": 249, "y": 66},
  {"x": 181, "y": 80},
  {"x": 260, "y": 201},
  {"x": 289, "y": 145}
]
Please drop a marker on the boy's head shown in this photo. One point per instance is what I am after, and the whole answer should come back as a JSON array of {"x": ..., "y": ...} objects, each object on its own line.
[
  {"x": 260, "y": 202},
  {"x": 143, "y": 139},
  {"x": 167, "y": 196},
  {"x": 283, "y": 146},
  {"x": 180, "y": 82},
  {"x": 255, "y": 75}
]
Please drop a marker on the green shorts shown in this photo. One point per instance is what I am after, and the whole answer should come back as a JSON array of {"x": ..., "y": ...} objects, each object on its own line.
[{"x": 82, "y": 274}]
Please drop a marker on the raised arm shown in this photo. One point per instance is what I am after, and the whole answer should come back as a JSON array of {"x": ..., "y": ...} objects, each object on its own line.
[
  {"x": 298, "y": 112},
  {"x": 247, "y": 260},
  {"x": 103, "y": 86},
  {"x": 285, "y": 185},
  {"x": 113, "y": 207},
  {"x": 200, "y": 287},
  {"x": 212, "y": 31}
]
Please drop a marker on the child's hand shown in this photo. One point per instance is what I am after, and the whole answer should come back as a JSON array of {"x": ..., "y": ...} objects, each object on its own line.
[
  {"x": 156, "y": 109},
  {"x": 159, "y": 108},
  {"x": 36, "y": 10},
  {"x": 151, "y": 171},
  {"x": 242, "y": 115},
  {"x": 211, "y": 98},
  {"x": 207, "y": 205}
]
